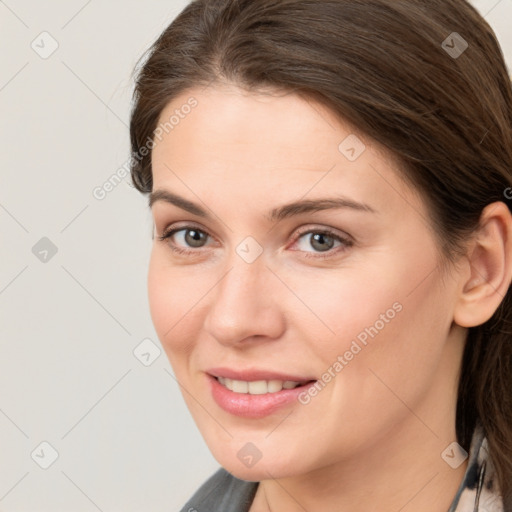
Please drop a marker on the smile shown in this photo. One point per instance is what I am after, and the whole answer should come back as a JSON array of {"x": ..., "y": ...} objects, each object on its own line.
[
  {"x": 257, "y": 397},
  {"x": 257, "y": 387}
]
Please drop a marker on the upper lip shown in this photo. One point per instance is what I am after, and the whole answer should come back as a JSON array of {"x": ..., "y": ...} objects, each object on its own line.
[{"x": 251, "y": 375}]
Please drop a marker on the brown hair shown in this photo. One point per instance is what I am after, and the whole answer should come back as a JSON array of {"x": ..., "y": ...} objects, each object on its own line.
[{"x": 385, "y": 66}]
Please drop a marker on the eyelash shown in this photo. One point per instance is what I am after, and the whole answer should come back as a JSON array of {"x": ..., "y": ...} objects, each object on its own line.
[{"x": 345, "y": 241}]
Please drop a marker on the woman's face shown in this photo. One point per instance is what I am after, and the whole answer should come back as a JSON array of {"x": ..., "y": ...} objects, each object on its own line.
[{"x": 296, "y": 254}]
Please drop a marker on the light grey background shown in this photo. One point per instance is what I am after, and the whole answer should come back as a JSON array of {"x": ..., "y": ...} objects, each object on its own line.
[{"x": 69, "y": 322}]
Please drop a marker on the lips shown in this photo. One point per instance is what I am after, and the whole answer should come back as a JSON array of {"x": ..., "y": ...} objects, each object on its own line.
[
  {"x": 256, "y": 375},
  {"x": 255, "y": 393}
]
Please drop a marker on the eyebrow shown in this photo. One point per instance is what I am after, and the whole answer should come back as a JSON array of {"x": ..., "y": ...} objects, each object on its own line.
[{"x": 276, "y": 214}]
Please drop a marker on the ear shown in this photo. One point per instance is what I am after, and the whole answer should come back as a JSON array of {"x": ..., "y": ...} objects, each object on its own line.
[{"x": 489, "y": 273}]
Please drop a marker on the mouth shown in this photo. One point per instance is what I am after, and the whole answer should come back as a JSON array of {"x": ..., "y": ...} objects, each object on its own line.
[
  {"x": 259, "y": 387},
  {"x": 255, "y": 394}
]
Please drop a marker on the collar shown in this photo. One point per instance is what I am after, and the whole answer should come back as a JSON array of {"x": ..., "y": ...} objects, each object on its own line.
[{"x": 478, "y": 491}]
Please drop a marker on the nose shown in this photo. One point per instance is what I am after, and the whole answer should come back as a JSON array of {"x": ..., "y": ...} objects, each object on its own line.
[{"x": 244, "y": 306}]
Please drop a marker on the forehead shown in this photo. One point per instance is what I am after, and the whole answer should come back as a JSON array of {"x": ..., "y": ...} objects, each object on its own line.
[
  {"x": 257, "y": 144},
  {"x": 273, "y": 121}
]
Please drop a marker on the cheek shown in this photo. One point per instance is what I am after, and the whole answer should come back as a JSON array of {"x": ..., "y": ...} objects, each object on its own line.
[
  {"x": 342, "y": 306},
  {"x": 173, "y": 305},
  {"x": 405, "y": 354},
  {"x": 398, "y": 311}
]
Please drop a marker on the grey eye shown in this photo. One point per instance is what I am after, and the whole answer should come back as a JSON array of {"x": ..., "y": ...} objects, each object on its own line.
[
  {"x": 193, "y": 237},
  {"x": 321, "y": 241},
  {"x": 318, "y": 241}
]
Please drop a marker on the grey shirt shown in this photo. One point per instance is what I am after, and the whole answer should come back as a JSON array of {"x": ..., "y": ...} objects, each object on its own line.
[{"x": 478, "y": 491}]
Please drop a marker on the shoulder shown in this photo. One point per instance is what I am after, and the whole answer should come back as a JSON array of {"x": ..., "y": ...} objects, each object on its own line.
[{"x": 222, "y": 492}]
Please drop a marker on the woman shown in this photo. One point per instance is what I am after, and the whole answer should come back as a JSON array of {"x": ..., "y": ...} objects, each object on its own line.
[{"x": 330, "y": 184}]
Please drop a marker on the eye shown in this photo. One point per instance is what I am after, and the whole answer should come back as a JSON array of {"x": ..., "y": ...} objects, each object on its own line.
[
  {"x": 321, "y": 241},
  {"x": 185, "y": 238}
]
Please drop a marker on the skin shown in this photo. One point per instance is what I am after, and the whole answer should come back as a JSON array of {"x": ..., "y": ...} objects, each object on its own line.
[{"x": 372, "y": 438}]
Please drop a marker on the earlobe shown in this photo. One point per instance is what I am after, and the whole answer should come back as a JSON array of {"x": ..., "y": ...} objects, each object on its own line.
[{"x": 490, "y": 263}]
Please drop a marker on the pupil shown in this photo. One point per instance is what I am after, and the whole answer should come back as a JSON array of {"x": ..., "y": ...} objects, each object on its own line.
[
  {"x": 194, "y": 238},
  {"x": 322, "y": 242}
]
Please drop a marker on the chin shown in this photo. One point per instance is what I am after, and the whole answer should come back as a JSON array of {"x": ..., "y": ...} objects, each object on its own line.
[{"x": 262, "y": 469}]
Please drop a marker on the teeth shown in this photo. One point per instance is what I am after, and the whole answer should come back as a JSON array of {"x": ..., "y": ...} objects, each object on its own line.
[
  {"x": 274, "y": 386},
  {"x": 239, "y": 386},
  {"x": 257, "y": 387}
]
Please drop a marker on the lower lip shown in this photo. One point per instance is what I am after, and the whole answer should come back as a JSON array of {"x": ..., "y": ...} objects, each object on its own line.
[{"x": 253, "y": 406}]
